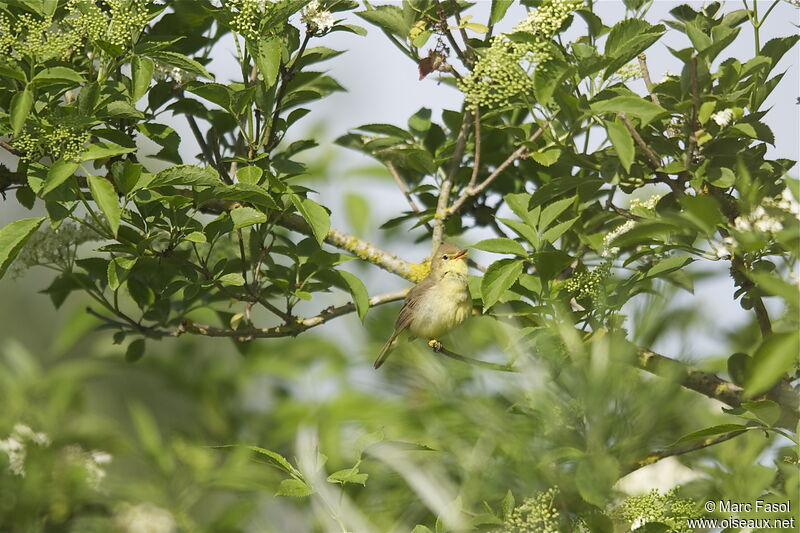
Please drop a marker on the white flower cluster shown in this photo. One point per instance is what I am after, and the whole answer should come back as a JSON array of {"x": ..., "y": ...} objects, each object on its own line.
[
  {"x": 15, "y": 446},
  {"x": 145, "y": 518},
  {"x": 758, "y": 220},
  {"x": 547, "y": 19},
  {"x": 631, "y": 71},
  {"x": 723, "y": 118},
  {"x": 649, "y": 204},
  {"x": 789, "y": 204},
  {"x": 317, "y": 19},
  {"x": 613, "y": 234},
  {"x": 724, "y": 250},
  {"x": 92, "y": 462},
  {"x": 176, "y": 74},
  {"x": 668, "y": 74}
]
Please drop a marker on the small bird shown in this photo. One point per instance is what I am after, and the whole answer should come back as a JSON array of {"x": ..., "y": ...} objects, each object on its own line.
[{"x": 438, "y": 303}]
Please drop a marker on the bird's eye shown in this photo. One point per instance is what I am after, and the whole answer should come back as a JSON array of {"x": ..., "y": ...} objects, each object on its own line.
[{"x": 445, "y": 257}]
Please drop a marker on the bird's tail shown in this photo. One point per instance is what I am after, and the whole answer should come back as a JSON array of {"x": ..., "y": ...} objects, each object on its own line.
[{"x": 385, "y": 351}]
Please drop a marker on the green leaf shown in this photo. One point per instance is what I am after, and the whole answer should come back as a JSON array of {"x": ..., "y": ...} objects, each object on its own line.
[
  {"x": 142, "y": 73},
  {"x": 246, "y": 216},
  {"x": 135, "y": 351},
  {"x": 622, "y": 141},
  {"x": 550, "y": 262},
  {"x": 102, "y": 150},
  {"x": 186, "y": 175},
  {"x": 668, "y": 265},
  {"x": 106, "y": 198},
  {"x": 174, "y": 59},
  {"x": 21, "y": 104},
  {"x": 57, "y": 74},
  {"x": 12, "y": 239},
  {"x": 635, "y": 106},
  {"x": 348, "y": 475},
  {"x": 523, "y": 230},
  {"x": 552, "y": 212},
  {"x": 765, "y": 410},
  {"x": 58, "y": 174},
  {"x": 196, "y": 236},
  {"x": 498, "y": 278},
  {"x": 546, "y": 157},
  {"x": 703, "y": 210},
  {"x": 776, "y": 286},
  {"x": 419, "y": 528},
  {"x": 316, "y": 216},
  {"x": 552, "y": 234},
  {"x": 234, "y": 278},
  {"x": 776, "y": 356},
  {"x": 250, "y": 175},
  {"x": 501, "y": 246},
  {"x": 359, "y": 292},
  {"x": 737, "y": 367},
  {"x": 499, "y": 8},
  {"x": 389, "y": 18},
  {"x": 508, "y": 504},
  {"x": 549, "y": 78},
  {"x": 275, "y": 459},
  {"x": 294, "y": 488},
  {"x": 595, "y": 476},
  {"x": 518, "y": 203},
  {"x": 710, "y": 432},
  {"x": 268, "y": 58}
]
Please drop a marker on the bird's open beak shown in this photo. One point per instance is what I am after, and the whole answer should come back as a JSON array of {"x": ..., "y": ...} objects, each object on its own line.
[{"x": 460, "y": 255}]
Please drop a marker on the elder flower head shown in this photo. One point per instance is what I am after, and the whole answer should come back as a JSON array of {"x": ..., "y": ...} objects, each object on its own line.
[
  {"x": 317, "y": 19},
  {"x": 723, "y": 118}
]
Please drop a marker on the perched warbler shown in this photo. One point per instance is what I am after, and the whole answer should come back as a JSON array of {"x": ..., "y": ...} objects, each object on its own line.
[{"x": 438, "y": 303}]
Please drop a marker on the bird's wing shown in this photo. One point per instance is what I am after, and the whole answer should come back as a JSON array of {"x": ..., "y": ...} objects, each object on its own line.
[{"x": 411, "y": 302}]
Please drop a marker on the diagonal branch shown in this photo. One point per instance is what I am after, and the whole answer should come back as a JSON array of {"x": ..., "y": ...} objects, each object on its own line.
[
  {"x": 681, "y": 450},
  {"x": 471, "y": 192},
  {"x": 648, "y": 81},
  {"x": 401, "y": 184}
]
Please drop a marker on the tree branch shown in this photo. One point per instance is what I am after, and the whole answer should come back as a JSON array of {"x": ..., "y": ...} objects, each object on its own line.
[
  {"x": 681, "y": 450},
  {"x": 468, "y": 193},
  {"x": 651, "y": 157},
  {"x": 693, "y": 126},
  {"x": 401, "y": 184},
  {"x": 438, "y": 348},
  {"x": 646, "y": 75},
  {"x": 447, "y": 185}
]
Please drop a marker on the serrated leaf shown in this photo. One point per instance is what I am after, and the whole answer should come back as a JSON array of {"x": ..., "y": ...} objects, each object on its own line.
[
  {"x": 553, "y": 211},
  {"x": 501, "y": 246},
  {"x": 21, "y": 104},
  {"x": 634, "y": 106},
  {"x": 13, "y": 237},
  {"x": 142, "y": 74},
  {"x": 316, "y": 216},
  {"x": 102, "y": 150},
  {"x": 348, "y": 475},
  {"x": 546, "y": 157},
  {"x": 359, "y": 292},
  {"x": 387, "y": 17},
  {"x": 174, "y": 59},
  {"x": 498, "y": 11},
  {"x": 105, "y": 196},
  {"x": 58, "y": 174},
  {"x": 523, "y": 230},
  {"x": 186, "y": 175},
  {"x": 250, "y": 175},
  {"x": 498, "y": 278},
  {"x": 268, "y": 58},
  {"x": 246, "y": 216}
]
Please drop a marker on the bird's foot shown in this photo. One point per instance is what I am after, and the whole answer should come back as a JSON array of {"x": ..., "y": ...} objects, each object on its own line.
[{"x": 436, "y": 345}]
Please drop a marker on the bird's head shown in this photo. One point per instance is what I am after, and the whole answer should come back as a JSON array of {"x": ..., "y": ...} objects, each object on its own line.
[{"x": 449, "y": 258}]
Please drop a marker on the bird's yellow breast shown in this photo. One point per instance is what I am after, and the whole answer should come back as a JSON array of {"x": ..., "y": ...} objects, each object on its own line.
[{"x": 446, "y": 305}]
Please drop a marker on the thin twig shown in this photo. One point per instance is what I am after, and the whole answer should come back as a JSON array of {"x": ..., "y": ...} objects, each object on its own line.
[
  {"x": 476, "y": 160},
  {"x": 438, "y": 348},
  {"x": 468, "y": 193},
  {"x": 693, "y": 126},
  {"x": 651, "y": 157},
  {"x": 447, "y": 185},
  {"x": 681, "y": 450},
  {"x": 401, "y": 184},
  {"x": 448, "y": 34},
  {"x": 10, "y": 148},
  {"x": 646, "y": 75}
]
